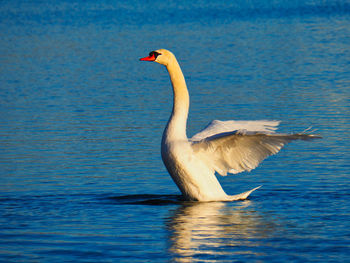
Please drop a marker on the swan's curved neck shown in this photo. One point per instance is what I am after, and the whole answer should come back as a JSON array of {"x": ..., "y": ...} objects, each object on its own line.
[{"x": 176, "y": 127}]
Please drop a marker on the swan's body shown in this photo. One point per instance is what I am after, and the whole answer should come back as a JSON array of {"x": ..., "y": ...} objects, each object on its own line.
[{"x": 224, "y": 147}]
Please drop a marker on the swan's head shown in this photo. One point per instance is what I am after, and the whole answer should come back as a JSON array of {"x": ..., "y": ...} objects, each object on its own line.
[{"x": 161, "y": 56}]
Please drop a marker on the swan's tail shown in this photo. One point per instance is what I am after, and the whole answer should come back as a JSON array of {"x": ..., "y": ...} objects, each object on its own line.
[{"x": 242, "y": 196}]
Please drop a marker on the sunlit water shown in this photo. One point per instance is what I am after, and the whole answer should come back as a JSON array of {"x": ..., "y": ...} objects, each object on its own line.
[{"x": 81, "y": 120}]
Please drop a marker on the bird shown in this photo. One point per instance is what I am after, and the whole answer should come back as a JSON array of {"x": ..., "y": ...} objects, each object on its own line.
[{"x": 222, "y": 147}]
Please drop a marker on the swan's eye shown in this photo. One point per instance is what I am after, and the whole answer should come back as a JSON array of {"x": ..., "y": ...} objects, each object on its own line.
[{"x": 155, "y": 54}]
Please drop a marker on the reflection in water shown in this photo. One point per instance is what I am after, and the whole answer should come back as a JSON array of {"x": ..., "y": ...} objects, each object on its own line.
[{"x": 207, "y": 230}]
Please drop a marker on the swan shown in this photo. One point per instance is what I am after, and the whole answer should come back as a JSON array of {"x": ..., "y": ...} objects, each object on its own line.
[{"x": 222, "y": 147}]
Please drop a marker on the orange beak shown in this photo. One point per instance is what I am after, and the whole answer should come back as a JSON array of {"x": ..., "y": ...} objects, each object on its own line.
[{"x": 149, "y": 58}]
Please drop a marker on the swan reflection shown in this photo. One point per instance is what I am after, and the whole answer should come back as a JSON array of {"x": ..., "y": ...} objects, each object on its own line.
[{"x": 212, "y": 229}]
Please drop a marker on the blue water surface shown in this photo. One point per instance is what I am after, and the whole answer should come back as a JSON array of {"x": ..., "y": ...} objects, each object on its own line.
[{"x": 81, "y": 121}]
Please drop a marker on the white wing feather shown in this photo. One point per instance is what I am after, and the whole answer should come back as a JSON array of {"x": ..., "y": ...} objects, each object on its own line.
[
  {"x": 242, "y": 150},
  {"x": 216, "y": 127}
]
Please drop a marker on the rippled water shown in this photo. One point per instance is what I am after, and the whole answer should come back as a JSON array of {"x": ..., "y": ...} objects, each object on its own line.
[{"x": 81, "y": 120}]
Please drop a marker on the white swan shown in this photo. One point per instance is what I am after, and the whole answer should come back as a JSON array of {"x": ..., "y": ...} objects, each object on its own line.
[{"x": 223, "y": 146}]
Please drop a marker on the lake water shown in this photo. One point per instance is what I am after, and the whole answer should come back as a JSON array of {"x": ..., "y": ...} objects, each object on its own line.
[{"x": 81, "y": 121}]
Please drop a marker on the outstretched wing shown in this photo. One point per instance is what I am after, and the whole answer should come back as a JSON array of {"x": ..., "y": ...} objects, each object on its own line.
[
  {"x": 238, "y": 151},
  {"x": 217, "y": 127}
]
